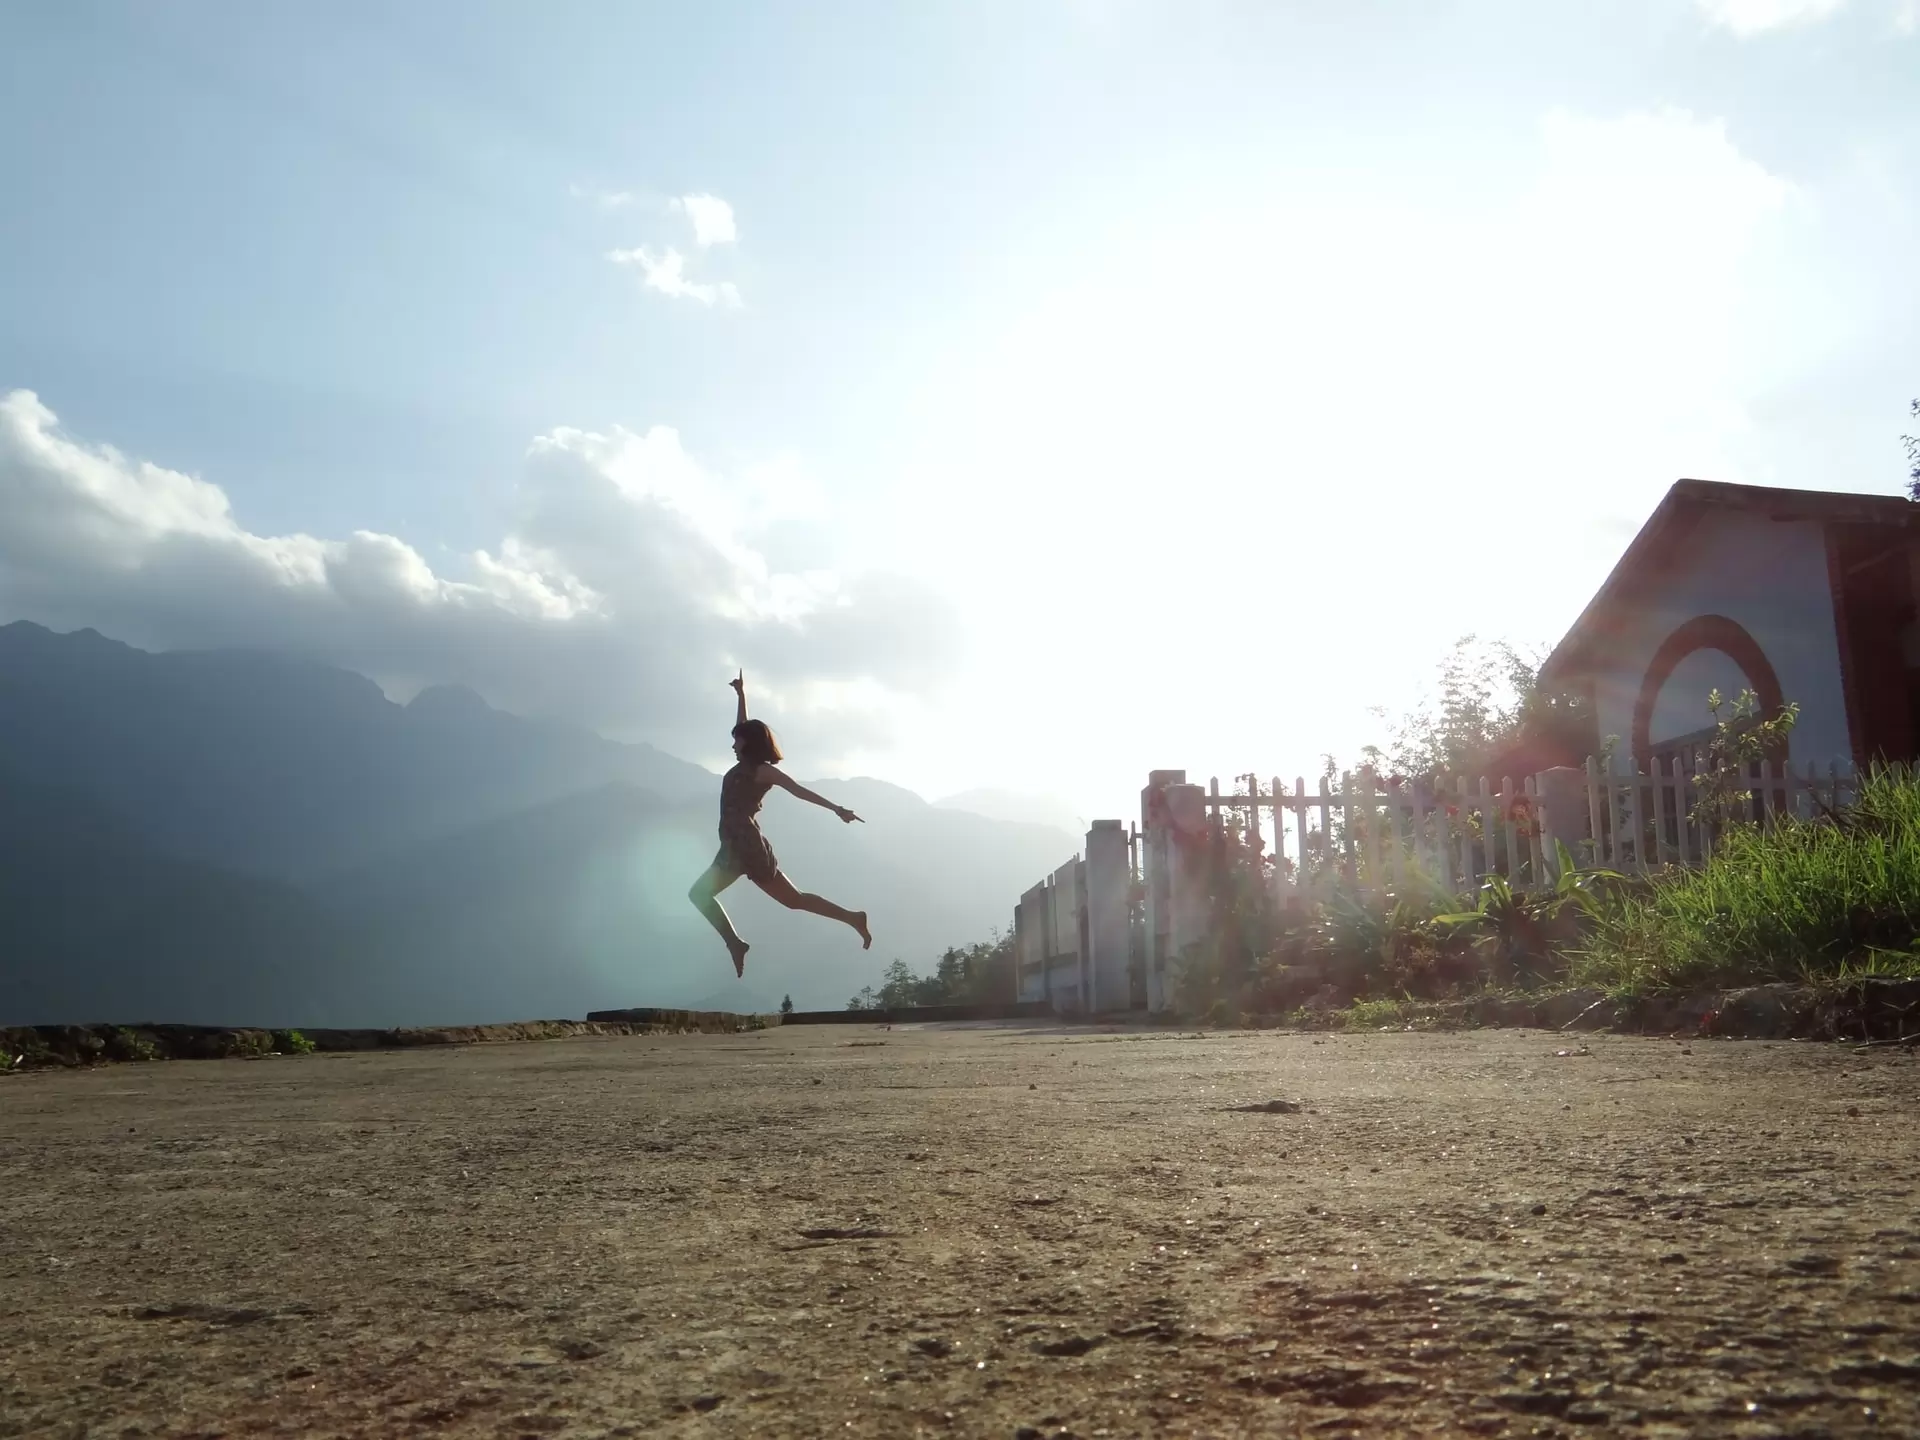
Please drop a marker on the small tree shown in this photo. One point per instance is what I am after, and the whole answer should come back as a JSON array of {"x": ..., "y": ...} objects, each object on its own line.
[
  {"x": 786, "y": 1004},
  {"x": 980, "y": 972},
  {"x": 1912, "y": 442},
  {"x": 1487, "y": 700},
  {"x": 1742, "y": 738}
]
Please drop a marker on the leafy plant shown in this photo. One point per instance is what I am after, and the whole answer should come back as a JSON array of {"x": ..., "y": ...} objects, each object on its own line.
[
  {"x": 1378, "y": 930},
  {"x": 292, "y": 1042},
  {"x": 1524, "y": 932},
  {"x": 786, "y": 1004},
  {"x": 1742, "y": 739}
]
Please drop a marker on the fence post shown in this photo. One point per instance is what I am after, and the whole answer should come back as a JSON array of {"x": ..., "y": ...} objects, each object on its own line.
[
  {"x": 1563, "y": 813},
  {"x": 1106, "y": 902}
]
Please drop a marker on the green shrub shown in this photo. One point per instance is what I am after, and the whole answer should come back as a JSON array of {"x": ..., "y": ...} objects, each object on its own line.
[
  {"x": 292, "y": 1042},
  {"x": 22, "y": 1049},
  {"x": 126, "y": 1044}
]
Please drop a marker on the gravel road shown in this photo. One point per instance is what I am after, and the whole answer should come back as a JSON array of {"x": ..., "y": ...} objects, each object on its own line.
[{"x": 1011, "y": 1231}]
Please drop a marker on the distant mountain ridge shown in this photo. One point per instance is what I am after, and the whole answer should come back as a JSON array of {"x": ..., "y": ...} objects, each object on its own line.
[
  {"x": 94, "y": 920},
  {"x": 242, "y": 837},
  {"x": 278, "y": 766},
  {"x": 1017, "y": 809}
]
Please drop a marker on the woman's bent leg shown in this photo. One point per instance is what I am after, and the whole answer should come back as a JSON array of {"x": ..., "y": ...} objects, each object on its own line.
[{"x": 793, "y": 897}]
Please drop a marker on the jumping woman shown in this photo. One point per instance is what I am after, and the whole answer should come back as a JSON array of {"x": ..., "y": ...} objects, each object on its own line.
[{"x": 744, "y": 850}]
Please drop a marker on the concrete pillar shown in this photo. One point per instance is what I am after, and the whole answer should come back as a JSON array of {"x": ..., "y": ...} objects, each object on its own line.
[
  {"x": 1564, "y": 815},
  {"x": 1156, "y": 835},
  {"x": 1108, "y": 938},
  {"x": 1190, "y": 912},
  {"x": 1174, "y": 820}
]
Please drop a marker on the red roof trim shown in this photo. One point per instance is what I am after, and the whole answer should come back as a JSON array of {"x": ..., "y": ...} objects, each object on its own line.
[{"x": 1677, "y": 513}]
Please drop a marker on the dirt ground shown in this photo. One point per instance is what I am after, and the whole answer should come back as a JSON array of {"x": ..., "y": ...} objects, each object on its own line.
[{"x": 1009, "y": 1231}]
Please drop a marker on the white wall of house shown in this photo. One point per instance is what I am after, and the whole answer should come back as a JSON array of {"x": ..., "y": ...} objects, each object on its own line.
[{"x": 1771, "y": 577}]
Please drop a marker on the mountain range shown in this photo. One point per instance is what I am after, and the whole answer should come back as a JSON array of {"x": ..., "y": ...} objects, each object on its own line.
[{"x": 231, "y": 837}]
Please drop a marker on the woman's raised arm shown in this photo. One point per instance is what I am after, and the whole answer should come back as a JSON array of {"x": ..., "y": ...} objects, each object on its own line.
[
  {"x": 795, "y": 788},
  {"x": 739, "y": 684}
]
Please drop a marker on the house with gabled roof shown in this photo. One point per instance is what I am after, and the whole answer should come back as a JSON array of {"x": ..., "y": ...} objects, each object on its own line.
[{"x": 1797, "y": 595}]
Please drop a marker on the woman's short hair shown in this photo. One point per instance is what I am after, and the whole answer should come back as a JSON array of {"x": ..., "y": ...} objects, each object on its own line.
[{"x": 757, "y": 745}]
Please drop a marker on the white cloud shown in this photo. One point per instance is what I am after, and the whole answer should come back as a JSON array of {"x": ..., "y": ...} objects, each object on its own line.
[
  {"x": 666, "y": 271},
  {"x": 1751, "y": 17},
  {"x": 622, "y": 590},
  {"x": 712, "y": 219}
]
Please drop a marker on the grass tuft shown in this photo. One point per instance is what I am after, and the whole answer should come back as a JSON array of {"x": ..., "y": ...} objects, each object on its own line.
[
  {"x": 1385, "y": 1012},
  {"x": 1804, "y": 901}
]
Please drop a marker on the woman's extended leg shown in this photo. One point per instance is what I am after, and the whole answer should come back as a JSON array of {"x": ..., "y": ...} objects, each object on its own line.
[
  {"x": 705, "y": 895},
  {"x": 790, "y": 895}
]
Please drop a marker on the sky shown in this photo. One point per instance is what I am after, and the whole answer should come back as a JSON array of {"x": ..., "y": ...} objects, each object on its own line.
[{"x": 1027, "y": 395}]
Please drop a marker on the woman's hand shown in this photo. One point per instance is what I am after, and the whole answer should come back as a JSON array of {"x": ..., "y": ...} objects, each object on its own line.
[
  {"x": 847, "y": 817},
  {"x": 739, "y": 684}
]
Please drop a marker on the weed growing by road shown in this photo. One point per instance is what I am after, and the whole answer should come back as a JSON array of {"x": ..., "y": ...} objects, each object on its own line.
[
  {"x": 131, "y": 1045},
  {"x": 1808, "y": 901}
]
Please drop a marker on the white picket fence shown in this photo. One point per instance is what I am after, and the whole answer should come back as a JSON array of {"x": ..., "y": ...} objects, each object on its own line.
[
  {"x": 1368, "y": 834},
  {"x": 1644, "y": 821},
  {"x": 1096, "y": 930},
  {"x": 1373, "y": 834}
]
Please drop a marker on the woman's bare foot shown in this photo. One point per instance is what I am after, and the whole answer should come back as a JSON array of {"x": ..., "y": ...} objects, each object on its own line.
[
  {"x": 860, "y": 927},
  {"x": 738, "y": 949}
]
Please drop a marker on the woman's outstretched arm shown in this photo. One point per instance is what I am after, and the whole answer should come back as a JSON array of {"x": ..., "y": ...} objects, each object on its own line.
[
  {"x": 794, "y": 787},
  {"x": 739, "y": 684}
]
